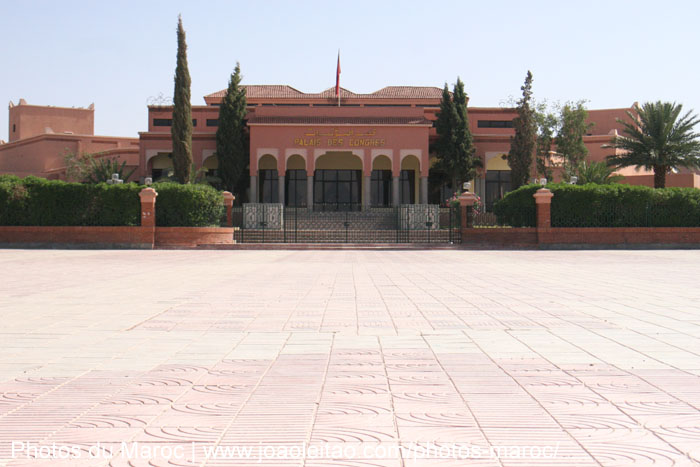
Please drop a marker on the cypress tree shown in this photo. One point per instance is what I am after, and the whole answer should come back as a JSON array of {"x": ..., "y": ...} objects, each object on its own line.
[
  {"x": 522, "y": 145},
  {"x": 231, "y": 147},
  {"x": 181, "y": 129},
  {"x": 465, "y": 163},
  {"x": 455, "y": 145},
  {"x": 447, "y": 140}
]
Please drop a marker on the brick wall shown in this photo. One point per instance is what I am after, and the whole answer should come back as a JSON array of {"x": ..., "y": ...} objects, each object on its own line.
[
  {"x": 612, "y": 236},
  {"x": 193, "y": 236},
  {"x": 107, "y": 237}
]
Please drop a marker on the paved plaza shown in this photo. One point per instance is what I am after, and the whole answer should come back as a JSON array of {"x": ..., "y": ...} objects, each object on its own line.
[{"x": 350, "y": 358}]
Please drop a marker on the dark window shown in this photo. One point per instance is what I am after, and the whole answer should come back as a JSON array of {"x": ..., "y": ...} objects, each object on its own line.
[
  {"x": 269, "y": 186},
  {"x": 407, "y": 187},
  {"x": 339, "y": 188},
  {"x": 169, "y": 122},
  {"x": 336, "y": 105},
  {"x": 215, "y": 105},
  {"x": 295, "y": 188},
  {"x": 14, "y": 128},
  {"x": 497, "y": 185},
  {"x": 495, "y": 124},
  {"x": 157, "y": 173},
  {"x": 380, "y": 191},
  {"x": 387, "y": 105},
  {"x": 212, "y": 122},
  {"x": 292, "y": 105}
]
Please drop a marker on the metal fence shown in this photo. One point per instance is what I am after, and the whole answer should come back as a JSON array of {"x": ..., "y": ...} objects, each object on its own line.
[
  {"x": 346, "y": 224},
  {"x": 625, "y": 215}
]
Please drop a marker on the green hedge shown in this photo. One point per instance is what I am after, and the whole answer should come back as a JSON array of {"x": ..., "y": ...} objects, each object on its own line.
[
  {"x": 613, "y": 205},
  {"x": 188, "y": 205},
  {"x": 37, "y": 201}
]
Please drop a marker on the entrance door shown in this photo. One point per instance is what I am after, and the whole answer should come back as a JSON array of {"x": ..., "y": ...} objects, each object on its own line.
[
  {"x": 295, "y": 189},
  {"x": 337, "y": 190},
  {"x": 497, "y": 185}
]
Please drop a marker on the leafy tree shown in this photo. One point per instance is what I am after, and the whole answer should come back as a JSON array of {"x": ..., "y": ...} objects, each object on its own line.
[
  {"x": 596, "y": 172},
  {"x": 522, "y": 145},
  {"x": 657, "y": 138},
  {"x": 455, "y": 145},
  {"x": 569, "y": 140},
  {"x": 231, "y": 141},
  {"x": 547, "y": 124},
  {"x": 181, "y": 129}
]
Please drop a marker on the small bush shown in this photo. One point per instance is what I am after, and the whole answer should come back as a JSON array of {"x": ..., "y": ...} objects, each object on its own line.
[
  {"x": 610, "y": 205},
  {"x": 188, "y": 205}
]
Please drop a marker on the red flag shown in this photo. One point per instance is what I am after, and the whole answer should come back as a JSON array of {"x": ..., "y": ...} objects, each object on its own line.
[{"x": 337, "y": 78}]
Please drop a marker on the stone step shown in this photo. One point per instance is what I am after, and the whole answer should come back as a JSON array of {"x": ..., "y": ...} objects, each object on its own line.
[{"x": 329, "y": 246}]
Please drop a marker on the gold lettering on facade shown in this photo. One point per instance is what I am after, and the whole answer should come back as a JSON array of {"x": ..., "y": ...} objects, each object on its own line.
[
  {"x": 307, "y": 141},
  {"x": 340, "y": 138}
]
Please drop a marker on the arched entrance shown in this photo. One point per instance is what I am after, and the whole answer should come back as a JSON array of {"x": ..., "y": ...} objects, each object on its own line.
[
  {"x": 409, "y": 180},
  {"x": 295, "y": 182},
  {"x": 268, "y": 179},
  {"x": 497, "y": 179},
  {"x": 338, "y": 182},
  {"x": 160, "y": 165},
  {"x": 380, "y": 191}
]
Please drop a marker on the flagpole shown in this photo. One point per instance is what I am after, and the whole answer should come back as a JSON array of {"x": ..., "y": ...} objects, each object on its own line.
[{"x": 337, "y": 79}]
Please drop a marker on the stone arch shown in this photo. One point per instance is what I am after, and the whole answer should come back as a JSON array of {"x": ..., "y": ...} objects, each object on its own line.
[
  {"x": 339, "y": 160},
  {"x": 211, "y": 163},
  {"x": 381, "y": 162},
  {"x": 267, "y": 162},
  {"x": 296, "y": 162},
  {"x": 497, "y": 161}
]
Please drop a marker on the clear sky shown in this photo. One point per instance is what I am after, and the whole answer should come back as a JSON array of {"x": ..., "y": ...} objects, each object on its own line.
[{"x": 117, "y": 54}]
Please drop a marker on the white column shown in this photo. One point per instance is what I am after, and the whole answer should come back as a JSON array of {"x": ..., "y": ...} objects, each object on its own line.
[
  {"x": 253, "y": 188},
  {"x": 395, "y": 191},
  {"x": 280, "y": 189},
  {"x": 310, "y": 192},
  {"x": 366, "y": 190},
  {"x": 424, "y": 190}
]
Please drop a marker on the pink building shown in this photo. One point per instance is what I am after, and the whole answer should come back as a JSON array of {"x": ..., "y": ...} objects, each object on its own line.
[{"x": 373, "y": 149}]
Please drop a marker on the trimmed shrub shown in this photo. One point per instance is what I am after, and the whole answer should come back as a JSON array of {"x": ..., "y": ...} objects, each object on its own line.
[
  {"x": 612, "y": 205},
  {"x": 517, "y": 208},
  {"x": 188, "y": 205},
  {"x": 37, "y": 201}
]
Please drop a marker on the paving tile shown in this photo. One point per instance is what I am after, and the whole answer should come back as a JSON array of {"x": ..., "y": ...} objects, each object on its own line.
[{"x": 381, "y": 356}]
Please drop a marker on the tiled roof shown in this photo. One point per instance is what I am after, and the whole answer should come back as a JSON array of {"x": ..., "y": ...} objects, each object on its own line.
[
  {"x": 312, "y": 120},
  {"x": 409, "y": 92},
  {"x": 265, "y": 90},
  {"x": 274, "y": 91}
]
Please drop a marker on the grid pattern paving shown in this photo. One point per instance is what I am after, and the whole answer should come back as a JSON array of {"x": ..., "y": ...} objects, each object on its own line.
[{"x": 360, "y": 358}]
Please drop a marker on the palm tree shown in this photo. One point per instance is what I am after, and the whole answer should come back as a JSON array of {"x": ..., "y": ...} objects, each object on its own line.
[
  {"x": 597, "y": 172},
  {"x": 657, "y": 139}
]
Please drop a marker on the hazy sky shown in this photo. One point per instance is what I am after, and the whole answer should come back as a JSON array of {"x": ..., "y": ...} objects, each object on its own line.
[{"x": 117, "y": 54}]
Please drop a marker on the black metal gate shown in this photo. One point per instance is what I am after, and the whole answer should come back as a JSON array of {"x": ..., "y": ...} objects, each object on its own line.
[{"x": 346, "y": 224}]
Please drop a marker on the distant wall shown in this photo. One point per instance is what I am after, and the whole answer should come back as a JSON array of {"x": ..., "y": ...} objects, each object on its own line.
[{"x": 26, "y": 120}]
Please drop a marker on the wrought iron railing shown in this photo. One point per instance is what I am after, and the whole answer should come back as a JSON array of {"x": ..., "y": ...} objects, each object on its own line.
[{"x": 360, "y": 224}]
